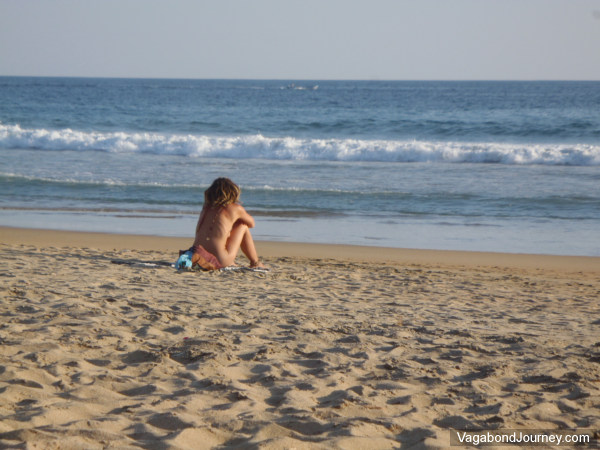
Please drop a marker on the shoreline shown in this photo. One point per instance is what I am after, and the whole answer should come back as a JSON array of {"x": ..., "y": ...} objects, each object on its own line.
[{"x": 271, "y": 249}]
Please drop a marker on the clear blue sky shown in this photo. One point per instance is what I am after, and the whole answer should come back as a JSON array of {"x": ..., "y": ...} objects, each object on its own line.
[{"x": 308, "y": 39}]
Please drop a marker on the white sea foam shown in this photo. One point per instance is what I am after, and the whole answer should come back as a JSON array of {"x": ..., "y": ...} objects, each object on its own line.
[{"x": 290, "y": 148}]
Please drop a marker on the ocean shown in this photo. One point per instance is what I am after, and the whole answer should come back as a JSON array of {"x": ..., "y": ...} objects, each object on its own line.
[{"x": 486, "y": 166}]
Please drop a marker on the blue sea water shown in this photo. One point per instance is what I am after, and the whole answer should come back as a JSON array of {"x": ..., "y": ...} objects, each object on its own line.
[{"x": 490, "y": 166}]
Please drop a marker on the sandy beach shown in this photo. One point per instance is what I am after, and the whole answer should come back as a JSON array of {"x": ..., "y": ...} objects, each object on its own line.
[{"x": 344, "y": 347}]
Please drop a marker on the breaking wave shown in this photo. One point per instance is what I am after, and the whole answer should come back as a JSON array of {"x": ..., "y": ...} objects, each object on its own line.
[{"x": 291, "y": 148}]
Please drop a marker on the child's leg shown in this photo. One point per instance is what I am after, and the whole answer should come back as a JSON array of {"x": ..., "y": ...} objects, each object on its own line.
[{"x": 241, "y": 238}]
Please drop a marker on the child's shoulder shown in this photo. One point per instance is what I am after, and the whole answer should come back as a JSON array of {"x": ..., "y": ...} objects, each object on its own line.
[{"x": 234, "y": 208}]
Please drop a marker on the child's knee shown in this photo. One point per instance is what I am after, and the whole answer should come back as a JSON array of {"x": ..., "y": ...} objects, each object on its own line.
[{"x": 239, "y": 225}]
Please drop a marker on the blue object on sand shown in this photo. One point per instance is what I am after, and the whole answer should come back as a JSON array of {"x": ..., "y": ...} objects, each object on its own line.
[{"x": 185, "y": 261}]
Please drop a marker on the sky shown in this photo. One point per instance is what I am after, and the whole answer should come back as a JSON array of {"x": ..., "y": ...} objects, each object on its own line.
[{"x": 308, "y": 39}]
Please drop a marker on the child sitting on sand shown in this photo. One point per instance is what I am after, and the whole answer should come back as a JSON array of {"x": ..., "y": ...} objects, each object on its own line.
[{"x": 223, "y": 228}]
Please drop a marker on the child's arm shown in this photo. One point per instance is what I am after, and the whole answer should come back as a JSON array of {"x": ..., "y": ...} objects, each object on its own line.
[{"x": 242, "y": 215}]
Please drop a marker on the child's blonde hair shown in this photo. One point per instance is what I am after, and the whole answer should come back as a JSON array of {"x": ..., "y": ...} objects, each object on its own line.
[{"x": 222, "y": 192}]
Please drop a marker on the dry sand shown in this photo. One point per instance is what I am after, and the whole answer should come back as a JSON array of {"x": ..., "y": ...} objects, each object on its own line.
[{"x": 337, "y": 347}]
